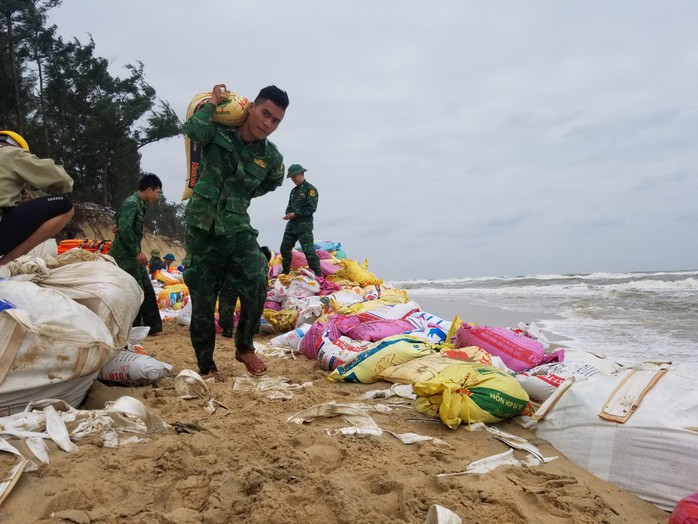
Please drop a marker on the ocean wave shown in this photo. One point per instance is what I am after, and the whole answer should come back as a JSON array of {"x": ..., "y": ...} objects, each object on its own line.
[
  {"x": 550, "y": 280},
  {"x": 687, "y": 284}
]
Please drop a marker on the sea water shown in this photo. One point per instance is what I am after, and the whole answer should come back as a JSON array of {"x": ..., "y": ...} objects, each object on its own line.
[{"x": 630, "y": 317}]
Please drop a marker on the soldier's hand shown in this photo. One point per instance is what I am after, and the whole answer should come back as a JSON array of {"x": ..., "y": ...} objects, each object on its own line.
[
  {"x": 141, "y": 259},
  {"x": 216, "y": 92},
  {"x": 289, "y": 216}
]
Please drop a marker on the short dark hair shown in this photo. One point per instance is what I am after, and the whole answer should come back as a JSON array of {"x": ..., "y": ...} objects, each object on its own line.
[
  {"x": 266, "y": 252},
  {"x": 273, "y": 94},
  {"x": 149, "y": 182}
]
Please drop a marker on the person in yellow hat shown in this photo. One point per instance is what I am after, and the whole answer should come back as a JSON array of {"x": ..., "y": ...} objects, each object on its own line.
[{"x": 26, "y": 222}]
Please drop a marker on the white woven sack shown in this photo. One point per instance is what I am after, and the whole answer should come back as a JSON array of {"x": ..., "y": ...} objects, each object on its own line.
[
  {"x": 654, "y": 454},
  {"x": 47, "y": 339},
  {"x": 105, "y": 289}
]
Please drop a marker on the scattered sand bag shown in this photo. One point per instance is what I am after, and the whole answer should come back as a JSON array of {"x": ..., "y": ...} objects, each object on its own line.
[
  {"x": 133, "y": 368},
  {"x": 358, "y": 273},
  {"x": 542, "y": 381},
  {"x": 472, "y": 393},
  {"x": 392, "y": 351},
  {"x": 394, "y": 296},
  {"x": 379, "y": 329},
  {"x": 333, "y": 353},
  {"x": 281, "y": 321},
  {"x": 518, "y": 351},
  {"x": 426, "y": 368}
]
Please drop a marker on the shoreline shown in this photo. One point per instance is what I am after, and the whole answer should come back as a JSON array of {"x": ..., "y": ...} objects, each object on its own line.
[{"x": 447, "y": 308}]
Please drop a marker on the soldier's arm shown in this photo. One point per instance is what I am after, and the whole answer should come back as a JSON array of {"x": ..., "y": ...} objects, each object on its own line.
[
  {"x": 200, "y": 128},
  {"x": 273, "y": 180}
]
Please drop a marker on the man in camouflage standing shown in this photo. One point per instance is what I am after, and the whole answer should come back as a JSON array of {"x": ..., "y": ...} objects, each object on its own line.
[
  {"x": 126, "y": 248},
  {"x": 237, "y": 164},
  {"x": 301, "y": 205}
]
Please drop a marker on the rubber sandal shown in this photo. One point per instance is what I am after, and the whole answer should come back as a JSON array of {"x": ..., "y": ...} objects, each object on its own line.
[{"x": 254, "y": 365}]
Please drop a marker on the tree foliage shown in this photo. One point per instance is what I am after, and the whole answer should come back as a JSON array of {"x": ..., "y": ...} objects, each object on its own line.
[{"x": 65, "y": 101}]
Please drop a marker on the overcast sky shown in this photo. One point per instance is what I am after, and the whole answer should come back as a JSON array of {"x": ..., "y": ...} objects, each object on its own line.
[{"x": 449, "y": 138}]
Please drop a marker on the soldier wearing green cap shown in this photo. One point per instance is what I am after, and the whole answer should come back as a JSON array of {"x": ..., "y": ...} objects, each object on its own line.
[
  {"x": 237, "y": 165},
  {"x": 301, "y": 205},
  {"x": 155, "y": 263}
]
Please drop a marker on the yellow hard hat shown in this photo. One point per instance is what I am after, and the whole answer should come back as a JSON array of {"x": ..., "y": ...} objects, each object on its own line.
[{"x": 15, "y": 139}]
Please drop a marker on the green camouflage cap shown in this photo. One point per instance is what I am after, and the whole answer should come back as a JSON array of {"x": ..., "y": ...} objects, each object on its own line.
[{"x": 295, "y": 169}]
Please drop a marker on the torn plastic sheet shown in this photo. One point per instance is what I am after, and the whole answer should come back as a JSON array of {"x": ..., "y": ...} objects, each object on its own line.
[
  {"x": 189, "y": 385},
  {"x": 267, "y": 350},
  {"x": 361, "y": 422},
  {"x": 514, "y": 441},
  {"x": 50, "y": 419},
  {"x": 396, "y": 390},
  {"x": 487, "y": 464},
  {"x": 12, "y": 476},
  {"x": 440, "y": 515},
  {"x": 277, "y": 388}
]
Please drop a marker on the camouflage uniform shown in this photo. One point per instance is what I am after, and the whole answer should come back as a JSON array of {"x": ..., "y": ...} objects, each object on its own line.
[
  {"x": 126, "y": 245},
  {"x": 302, "y": 202},
  {"x": 220, "y": 241},
  {"x": 228, "y": 297}
]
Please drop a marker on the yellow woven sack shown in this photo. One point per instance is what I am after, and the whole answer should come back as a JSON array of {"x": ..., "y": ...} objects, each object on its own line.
[
  {"x": 340, "y": 281},
  {"x": 281, "y": 321},
  {"x": 361, "y": 307},
  {"x": 232, "y": 111},
  {"x": 391, "y": 351},
  {"x": 177, "y": 288},
  {"x": 166, "y": 279},
  {"x": 358, "y": 273},
  {"x": 472, "y": 393},
  {"x": 451, "y": 336},
  {"x": 425, "y": 368},
  {"x": 394, "y": 296}
]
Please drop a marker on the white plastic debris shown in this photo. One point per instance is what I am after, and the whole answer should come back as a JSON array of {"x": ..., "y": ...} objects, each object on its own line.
[
  {"x": 361, "y": 422},
  {"x": 189, "y": 385},
  {"x": 440, "y": 515},
  {"x": 276, "y": 388}
]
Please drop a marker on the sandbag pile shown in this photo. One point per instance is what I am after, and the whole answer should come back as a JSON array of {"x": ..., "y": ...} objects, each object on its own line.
[
  {"x": 361, "y": 330},
  {"x": 633, "y": 427},
  {"x": 65, "y": 318}
]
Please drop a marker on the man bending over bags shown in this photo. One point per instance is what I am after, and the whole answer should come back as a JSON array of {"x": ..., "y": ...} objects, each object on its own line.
[
  {"x": 237, "y": 165},
  {"x": 25, "y": 222}
]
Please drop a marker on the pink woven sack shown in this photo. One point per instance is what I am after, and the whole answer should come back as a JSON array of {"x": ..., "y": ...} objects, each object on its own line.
[{"x": 518, "y": 351}]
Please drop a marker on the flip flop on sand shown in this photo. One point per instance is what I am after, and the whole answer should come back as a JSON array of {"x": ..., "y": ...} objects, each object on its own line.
[{"x": 252, "y": 362}]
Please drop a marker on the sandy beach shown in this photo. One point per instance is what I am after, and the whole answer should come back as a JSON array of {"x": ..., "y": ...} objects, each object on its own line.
[{"x": 248, "y": 464}]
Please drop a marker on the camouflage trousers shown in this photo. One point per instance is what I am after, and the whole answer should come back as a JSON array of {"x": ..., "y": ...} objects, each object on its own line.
[
  {"x": 149, "y": 313},
  {"x": 210, "y": 260},
  {"x": 291, "y": 236},
  {"x": 228, "y": 297},
  {"x": 227, "y": 300}
]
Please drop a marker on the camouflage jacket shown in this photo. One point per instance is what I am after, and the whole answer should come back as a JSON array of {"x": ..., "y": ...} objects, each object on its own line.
[
  {"x": 303, "y": 203},
  {"x": 129, "y": 220},
  {"x": 231, "y": 174}
]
